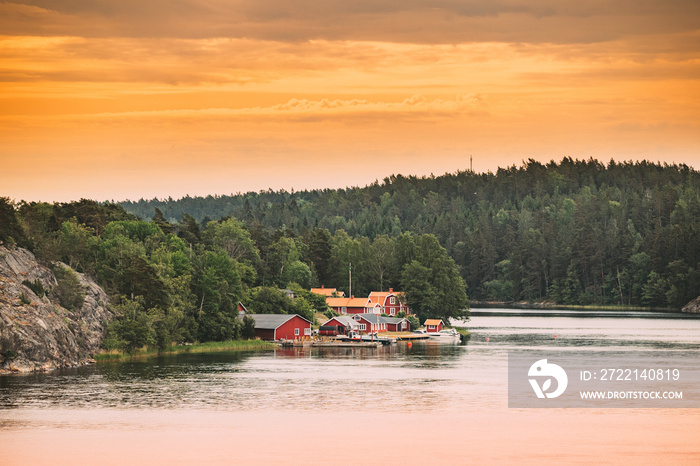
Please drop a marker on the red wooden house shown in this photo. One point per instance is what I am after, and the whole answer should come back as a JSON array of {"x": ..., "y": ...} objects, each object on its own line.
[
  {"x": 433, "y": 325},
  {"x": 390, "y": 302},
  {"x": 281, "y": 326},
  {"x": 370, "y": 323},
  {"x": 348, "y": 305},
  {"x": 341, "y": 325},
  {"x": 396, "y": 324}
]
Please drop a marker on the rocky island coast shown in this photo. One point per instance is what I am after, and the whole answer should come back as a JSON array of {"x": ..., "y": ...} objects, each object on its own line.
[{"x": 49, "y": 317}]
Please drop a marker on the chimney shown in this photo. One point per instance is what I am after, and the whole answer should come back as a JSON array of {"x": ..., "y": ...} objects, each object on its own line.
[{"x": 391, "y": 290}]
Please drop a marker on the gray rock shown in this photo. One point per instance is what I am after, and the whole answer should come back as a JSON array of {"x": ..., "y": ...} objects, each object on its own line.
[
  {"x": 692, "y": 307},
  {"x": 41, "y": 335}
]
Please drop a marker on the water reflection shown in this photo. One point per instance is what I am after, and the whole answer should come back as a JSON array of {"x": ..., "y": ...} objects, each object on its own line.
[
  {"x": 472, "y": 374},
  {"x": 278, "y": 406}
]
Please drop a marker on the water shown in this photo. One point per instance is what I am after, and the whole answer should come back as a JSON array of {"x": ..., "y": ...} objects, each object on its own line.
[{"x": 431, "y": 402}]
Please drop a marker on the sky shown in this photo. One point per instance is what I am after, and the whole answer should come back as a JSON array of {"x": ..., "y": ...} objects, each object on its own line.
[{"x": 126, "y": 99}]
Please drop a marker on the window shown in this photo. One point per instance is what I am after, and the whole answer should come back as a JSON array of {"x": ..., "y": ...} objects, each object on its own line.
[
  {"x": 345, "y": 310},
  {"x": 307, "y": 331},
  {"x": 392, "y": 300},
  {"x": 431, "y": 327},
  {"x": 363, "y": 327},
  {"x": 392, "y": 311},
  {"x": 296, "y": 331}
]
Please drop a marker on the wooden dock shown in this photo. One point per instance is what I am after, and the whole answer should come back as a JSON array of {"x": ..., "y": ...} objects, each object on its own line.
[
  {"x": 346, "y": 344},
  {"x": 413, "y": 337}
]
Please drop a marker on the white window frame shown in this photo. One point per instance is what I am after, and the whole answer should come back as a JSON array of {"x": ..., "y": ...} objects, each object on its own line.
[
  {"x": 363, "y": 327},
  {"x": 296, "y": 332},
  {"x": 307, "y": 331},
  {"x": 392, "y": 300}
]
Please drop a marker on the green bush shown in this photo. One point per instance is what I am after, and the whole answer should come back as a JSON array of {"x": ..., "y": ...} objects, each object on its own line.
[
  {"x": 413, "y": 320},
  {"x": 69, "y": 292},
  {"x": 36, "y": 286},
  {"x": 331, "y": 313}
]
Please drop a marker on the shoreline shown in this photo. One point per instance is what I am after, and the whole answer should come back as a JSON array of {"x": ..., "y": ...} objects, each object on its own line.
[
  {"x": 208, "y": 347},
  {"x": 568, "y": 307}
]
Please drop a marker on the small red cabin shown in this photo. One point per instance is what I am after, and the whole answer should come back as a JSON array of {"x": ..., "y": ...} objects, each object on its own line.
[
  {"x": 396, "y": 324},
  {"x": 433, "y": 325},
  {"x": 281, "y": 326}
]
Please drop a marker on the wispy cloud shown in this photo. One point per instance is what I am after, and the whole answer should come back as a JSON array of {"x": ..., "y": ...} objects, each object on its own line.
[{"x": 416, "y": 21}]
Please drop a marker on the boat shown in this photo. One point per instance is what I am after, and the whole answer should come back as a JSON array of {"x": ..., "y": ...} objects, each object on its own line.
[{"x": 446, "y": 334}]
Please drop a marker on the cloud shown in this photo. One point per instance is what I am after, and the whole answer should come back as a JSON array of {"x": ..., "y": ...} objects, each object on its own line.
[
  {"x": 414, "y": 21},
  {"x": 306, "y": 109}
]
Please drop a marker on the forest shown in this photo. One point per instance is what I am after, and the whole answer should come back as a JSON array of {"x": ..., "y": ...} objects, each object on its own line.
[{"x": 577, "y": 232}]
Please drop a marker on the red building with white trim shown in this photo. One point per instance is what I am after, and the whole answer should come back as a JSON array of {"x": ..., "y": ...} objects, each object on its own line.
[
  {"x": 281, "y": 326},
  {"x": 348, "y": 305},
  {"x": 391, "y": 303},
  {"x": 433, "y": 325},
  {"x": 370, "y": 323}
]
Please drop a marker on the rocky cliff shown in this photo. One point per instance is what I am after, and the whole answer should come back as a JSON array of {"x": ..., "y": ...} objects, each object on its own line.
[
  {"x": 692, "y": 307},
  {"x": 36, "y": 332}
]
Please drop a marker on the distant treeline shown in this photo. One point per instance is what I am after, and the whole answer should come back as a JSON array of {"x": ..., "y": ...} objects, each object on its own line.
[{"x": 573, "y": 232}]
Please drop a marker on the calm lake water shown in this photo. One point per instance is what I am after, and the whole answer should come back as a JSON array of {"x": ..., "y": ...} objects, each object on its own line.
[{"x": 434, "y": 403}]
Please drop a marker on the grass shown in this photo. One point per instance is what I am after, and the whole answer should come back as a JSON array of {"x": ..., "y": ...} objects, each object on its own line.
[{"x": 208, "y": 347}]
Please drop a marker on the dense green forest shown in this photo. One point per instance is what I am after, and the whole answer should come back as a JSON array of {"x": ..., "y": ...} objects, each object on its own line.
[
  {"x": 182, "y": 282},
  {"x": 573, "y": 232}
]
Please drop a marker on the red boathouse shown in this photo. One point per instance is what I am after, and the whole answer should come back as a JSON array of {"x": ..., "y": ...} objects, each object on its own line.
[{"x": 281, "y": 326}]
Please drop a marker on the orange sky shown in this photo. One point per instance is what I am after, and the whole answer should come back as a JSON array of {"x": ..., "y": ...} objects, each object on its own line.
[{"x": 110, "y": 99}]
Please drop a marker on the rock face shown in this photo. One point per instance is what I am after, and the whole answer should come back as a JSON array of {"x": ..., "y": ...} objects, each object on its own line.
[
  {"x": 692, "y": 307},
  {"x": 36, "y": 333}
]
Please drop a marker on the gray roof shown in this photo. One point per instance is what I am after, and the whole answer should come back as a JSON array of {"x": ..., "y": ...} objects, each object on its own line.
[
  {"x": 371, "y": 318},
  {"x": 345, "y": 320},
  {"x": 272, "y": 321},
  {"x": 392, "y": 320}
]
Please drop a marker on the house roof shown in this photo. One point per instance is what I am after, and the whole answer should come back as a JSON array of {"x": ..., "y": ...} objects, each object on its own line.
[
  {"x": 433, "y": 322},
  {"x": 347, "y": 302},
  {"x": 327, "y": 291},
  {"x": 371, "y": 318},
  {"x": 392, "y": 320},
  {"x": 272, "y": 321},
  {"x": 380, "y": 296},
  {"x": 344, "y": 320}
]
